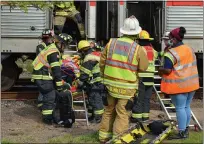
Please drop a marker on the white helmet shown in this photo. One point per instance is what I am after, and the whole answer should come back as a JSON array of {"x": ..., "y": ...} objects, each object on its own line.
[
  {"x": 131, "y": 26},
  {"x": 166, "y": 36}
]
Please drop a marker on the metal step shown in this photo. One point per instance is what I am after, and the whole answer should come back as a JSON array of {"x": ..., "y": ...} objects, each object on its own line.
[
  {"x": 170, "y": 107},
  {"x": 165, "y": 99},
  {"x": 78, "y": 101},
  {"x": 79, "y": 110}
]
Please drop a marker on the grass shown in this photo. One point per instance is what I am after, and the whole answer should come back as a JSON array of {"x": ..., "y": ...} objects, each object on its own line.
[
  {"x": 6, "y": 141},
  {"x": 195, "y": 138},
  {"x": 68, "y": 138}
]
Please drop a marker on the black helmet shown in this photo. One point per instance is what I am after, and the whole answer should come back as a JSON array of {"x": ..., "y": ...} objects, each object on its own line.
[
  {"x": 46, "y": 33},
  {"x": 64, "y": 38}
]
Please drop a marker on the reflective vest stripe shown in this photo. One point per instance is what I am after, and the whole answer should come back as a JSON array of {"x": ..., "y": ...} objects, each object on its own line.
[
  {"x": 185, "y": 66},
  {"x": 176, "y": 56},
  {"x": 145, "y": 115},
  {"x": 180, "y": 80},
  {"x": 120, "y": 96},
  {"x": 132, "y": 52},
  {"x": 54, "y": 64},
  {"x": 120, "y": 84},
  {"x": 122, "y": 65},
  {"x": 96, "y": 69},
  {"x": 112, "y": 45},
  {"x": 47, "y": 112},
  {"x": 147, "y": 74}
]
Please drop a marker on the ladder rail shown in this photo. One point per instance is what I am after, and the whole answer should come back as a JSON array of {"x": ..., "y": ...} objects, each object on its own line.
[
  {"x": 86, "y": 113},
  {"x": 195, "y": 119},
  {"x": 160, "y": 101}
]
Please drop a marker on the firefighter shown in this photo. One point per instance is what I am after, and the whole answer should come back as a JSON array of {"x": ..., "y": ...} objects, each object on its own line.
[
  {"x": 141, "y": 109},
  {"x": 65, "y": 10},
  {"x": 90, "y": 77},
  {"x": 119, "y": 64},
  {"x": 180, "y": 79},
  {"x": 46, "y": 37},
  {"x": 46, "y": 68}
]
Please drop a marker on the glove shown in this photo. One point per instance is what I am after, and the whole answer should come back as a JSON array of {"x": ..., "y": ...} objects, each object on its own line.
[
  {"x": 81, "y": 85},
  {"x": 129, "y": 105},
  {"x": 59, "y": 88},
  {"x": 105, "y": 96}
]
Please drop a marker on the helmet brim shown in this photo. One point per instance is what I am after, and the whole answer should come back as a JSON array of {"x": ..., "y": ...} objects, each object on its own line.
[{"x": 123, "y": 31}]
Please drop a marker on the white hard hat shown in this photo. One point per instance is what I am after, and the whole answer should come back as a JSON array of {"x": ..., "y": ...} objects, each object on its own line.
[
  {"x": 166, "y": 35},
  {"x": 131, "y": 26}
]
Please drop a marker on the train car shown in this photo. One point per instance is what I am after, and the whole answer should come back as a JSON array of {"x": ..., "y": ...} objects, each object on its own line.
[{"x": 102, "y": 20}]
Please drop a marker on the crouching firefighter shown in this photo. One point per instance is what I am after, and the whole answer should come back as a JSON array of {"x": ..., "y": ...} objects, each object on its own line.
[
  {"x": 141, "y": 108},
  {"x": 90, "y": 77},
  {"x": 46, "y": 69}
]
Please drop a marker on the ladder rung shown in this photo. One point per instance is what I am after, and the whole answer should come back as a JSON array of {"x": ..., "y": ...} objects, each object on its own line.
[
  {"x": 170, "y": 107},
  {"x": 78, "y": 101},
  {"x": 157, "y": 65},
  {"x": 79, "y": 110},
  {"x": 159, "y": 91},
  {"x": 157, "y": 84},
  {"x": 80, "y": 119},
  {"x": 165, "y": 99},
  {"x": 173, "y": 116},
  {"x": 155, "y": 71}
]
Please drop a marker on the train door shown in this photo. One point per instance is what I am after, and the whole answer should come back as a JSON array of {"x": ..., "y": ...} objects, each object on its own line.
[{"x": 149, "y": 15}]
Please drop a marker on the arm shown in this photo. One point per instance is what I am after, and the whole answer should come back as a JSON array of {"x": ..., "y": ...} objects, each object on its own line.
[
  {"x": 85, "y": 70},
  {"x": 142, "y": 59},
  {"x": 103, "y": 60},
  {"x": 53, "y": 60}
]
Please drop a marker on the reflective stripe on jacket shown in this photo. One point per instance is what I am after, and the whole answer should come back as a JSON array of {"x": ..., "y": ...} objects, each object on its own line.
[{"x": 184, "y": 75}]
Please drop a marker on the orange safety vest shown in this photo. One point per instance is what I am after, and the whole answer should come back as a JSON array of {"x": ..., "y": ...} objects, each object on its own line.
[{"x": 184, "y": 75}]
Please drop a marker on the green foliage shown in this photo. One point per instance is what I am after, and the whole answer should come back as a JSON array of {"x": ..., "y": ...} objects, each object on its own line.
[
  {"x": 23, "y": 5},
  {"x": 6, "y": 141}
]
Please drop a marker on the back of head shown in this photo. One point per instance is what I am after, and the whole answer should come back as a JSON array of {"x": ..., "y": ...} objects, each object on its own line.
[
  {"x": 63, "y": 38},
  {"x": 178, "y": 33}
]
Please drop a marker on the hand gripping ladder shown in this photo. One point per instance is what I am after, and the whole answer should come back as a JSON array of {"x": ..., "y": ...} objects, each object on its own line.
[
  {"x": 82, "y": 110},
  {"x": 166, "y": 108}
]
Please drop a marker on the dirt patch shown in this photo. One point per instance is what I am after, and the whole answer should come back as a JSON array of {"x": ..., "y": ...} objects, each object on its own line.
[{"x": 21, "y": 122}]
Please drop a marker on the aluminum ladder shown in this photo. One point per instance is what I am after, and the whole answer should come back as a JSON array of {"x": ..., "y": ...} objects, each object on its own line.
[
  {"x": 82, "y": 110},
  {"x": 166, "y": 108}
]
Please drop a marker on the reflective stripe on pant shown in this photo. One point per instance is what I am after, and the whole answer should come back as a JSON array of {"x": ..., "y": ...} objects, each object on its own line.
[
  {"x": 115, "y": 118},
  {"x": 46, "y": 88},
  {"x": 95, "y": 98},
  {"x": 141, "y": 106},
  {"x": 40, "y": 100}
]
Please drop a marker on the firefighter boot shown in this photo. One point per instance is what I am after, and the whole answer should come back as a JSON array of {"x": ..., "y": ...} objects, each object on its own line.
[
  {"x": 92, "y": 117},
  {"x": 180, "y": 135},
  {"x": 48, "y": 119}
]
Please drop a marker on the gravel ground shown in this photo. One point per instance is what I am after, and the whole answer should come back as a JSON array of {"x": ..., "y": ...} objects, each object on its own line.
[{"x": 21, "y": 122}]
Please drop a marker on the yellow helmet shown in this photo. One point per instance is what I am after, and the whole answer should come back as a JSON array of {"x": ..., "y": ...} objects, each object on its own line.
[
  {"x": 83, "y": 45},
  {"x": 145, "y": 35}
]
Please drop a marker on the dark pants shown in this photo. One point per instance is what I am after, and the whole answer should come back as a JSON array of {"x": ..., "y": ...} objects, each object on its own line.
[
  {"x": 46, "y": 88},
  {"x": 141, "y": 106},
  {"x": 95, "y": 94}
]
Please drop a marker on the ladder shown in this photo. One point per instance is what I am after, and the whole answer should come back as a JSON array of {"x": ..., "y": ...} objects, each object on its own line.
[
  {"x": 82, "y": 110},
  {"x": 166, "y": 108}
]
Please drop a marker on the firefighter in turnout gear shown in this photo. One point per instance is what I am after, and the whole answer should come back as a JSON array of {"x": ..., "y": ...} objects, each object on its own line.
[
  {"x": 65, "y": 10},
  {"x": 46, "y": 35},
  {"x": 90, "y": 78},
  {"x": 119, "y": 64},
  {"x": 46, "y": 69},
  {"x": 141, "y": 108}
]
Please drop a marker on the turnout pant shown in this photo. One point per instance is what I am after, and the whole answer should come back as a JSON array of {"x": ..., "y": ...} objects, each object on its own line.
[
  {"x": 95, "y": 95},
  {"x": 115, "y": 119},
  {"x": 46, "y": 88},
  {"x": 141, "y": 106}
]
